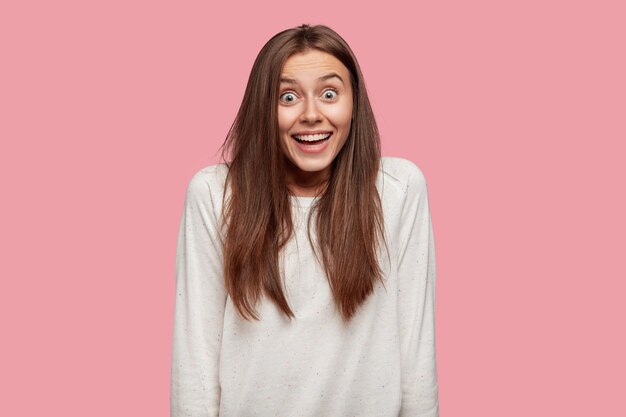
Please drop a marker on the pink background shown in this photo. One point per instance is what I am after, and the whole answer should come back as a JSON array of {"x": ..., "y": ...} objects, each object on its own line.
[{"x": 515, "y": 111}]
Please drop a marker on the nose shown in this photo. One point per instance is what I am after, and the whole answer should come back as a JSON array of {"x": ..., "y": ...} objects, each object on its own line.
[{"x": 310, "y": 113}]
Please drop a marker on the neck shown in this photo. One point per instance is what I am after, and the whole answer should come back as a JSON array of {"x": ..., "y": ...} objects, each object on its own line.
[{"x": 307, "y": 184}]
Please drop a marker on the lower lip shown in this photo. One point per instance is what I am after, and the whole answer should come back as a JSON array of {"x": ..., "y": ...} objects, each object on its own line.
[{"x": 315, "y": 148}]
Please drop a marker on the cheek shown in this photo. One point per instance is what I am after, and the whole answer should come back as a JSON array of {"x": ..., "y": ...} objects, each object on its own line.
[
  {"x": 285, "y": 123},
  {"x": 341, "y": 116},
  {"x": 286, "y": 118},
  {"x": 282, "y": 123}
]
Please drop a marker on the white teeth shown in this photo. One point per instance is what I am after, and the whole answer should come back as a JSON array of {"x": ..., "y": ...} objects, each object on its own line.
[{"x": 312, "y": 138}]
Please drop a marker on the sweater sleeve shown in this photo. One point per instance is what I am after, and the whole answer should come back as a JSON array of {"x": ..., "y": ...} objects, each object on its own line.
[
  {"x": 199, "y": 306},
  {"x": 416, "y": 300}
]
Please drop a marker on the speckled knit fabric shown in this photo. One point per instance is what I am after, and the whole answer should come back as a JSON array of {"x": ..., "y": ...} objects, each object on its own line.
[{"x": 380, "y": 364}]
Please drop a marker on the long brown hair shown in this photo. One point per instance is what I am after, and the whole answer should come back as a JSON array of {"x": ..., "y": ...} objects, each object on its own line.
[{"x": 257, "y": 213}]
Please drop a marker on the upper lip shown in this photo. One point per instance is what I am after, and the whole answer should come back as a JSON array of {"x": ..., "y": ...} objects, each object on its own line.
[{"x": 312, "y": 132}]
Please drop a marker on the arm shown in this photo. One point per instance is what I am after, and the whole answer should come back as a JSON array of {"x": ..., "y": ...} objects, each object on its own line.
[
  {"x": 199, "y": 307},
  {"x": 416, "y": 300}
]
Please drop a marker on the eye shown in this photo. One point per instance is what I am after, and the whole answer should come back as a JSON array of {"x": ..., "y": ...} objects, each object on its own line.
[
  {"x": 330, "y": 94},
  {"x": 288, "y": 97}
]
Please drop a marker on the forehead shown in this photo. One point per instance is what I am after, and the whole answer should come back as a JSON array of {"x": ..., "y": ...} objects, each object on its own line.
[{"x": 312, "y": 63}]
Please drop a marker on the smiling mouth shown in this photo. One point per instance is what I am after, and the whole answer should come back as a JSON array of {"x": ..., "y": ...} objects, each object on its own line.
[{"x": 312, "y": 139}]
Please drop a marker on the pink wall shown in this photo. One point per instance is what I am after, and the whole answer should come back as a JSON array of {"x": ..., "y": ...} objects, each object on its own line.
[{"x": 515, "y": 111}]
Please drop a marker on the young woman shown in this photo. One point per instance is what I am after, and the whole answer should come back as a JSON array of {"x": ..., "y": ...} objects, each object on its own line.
[{"x": 305, "y": 264}]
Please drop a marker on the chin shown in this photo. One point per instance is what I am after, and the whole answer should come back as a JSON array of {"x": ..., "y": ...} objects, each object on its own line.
[{"x": 312, "y": 166}]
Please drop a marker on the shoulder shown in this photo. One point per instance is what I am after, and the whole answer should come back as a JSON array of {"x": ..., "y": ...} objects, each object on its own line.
[
  {"x": 208, "y": 177},
  {"x": 207, "y": 184},
  {"x": 403, "y": 175}
]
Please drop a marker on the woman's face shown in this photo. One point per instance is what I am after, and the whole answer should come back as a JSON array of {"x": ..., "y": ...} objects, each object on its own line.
[{"x": 314, "y": 116}]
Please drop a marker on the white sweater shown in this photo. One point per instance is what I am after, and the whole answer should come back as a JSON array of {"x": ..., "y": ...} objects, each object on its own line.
[{"x": 380, "y": 364}]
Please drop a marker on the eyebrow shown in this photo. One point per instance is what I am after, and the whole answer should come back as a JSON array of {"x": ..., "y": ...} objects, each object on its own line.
[{"x": 322, "y": 78}]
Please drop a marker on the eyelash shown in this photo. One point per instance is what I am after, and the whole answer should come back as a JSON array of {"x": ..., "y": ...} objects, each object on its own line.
[{"x": 291, "y": 92}]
